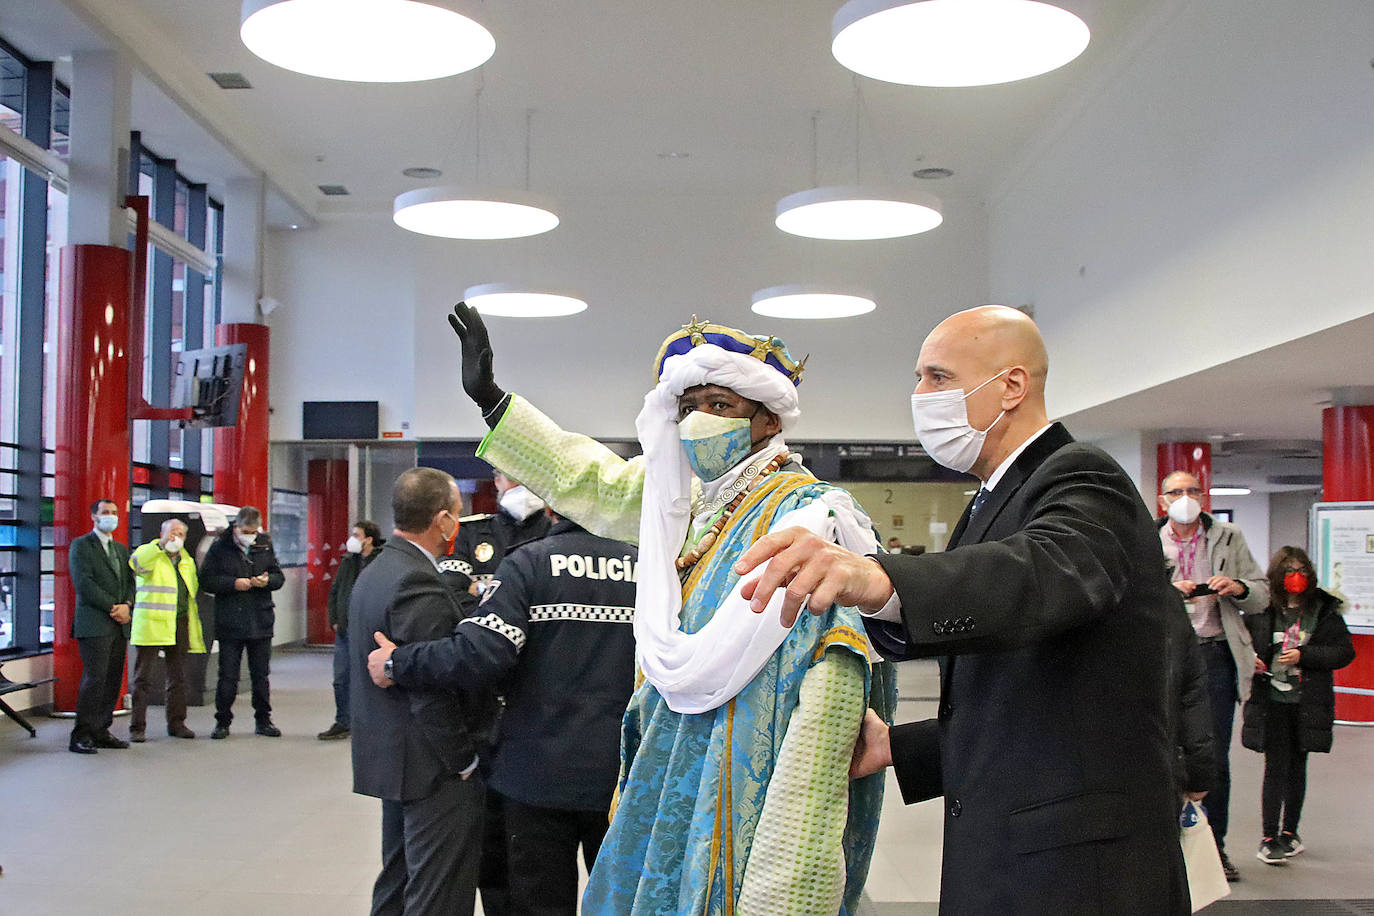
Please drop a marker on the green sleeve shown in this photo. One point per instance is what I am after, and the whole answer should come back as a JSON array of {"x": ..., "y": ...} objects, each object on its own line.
[
  {"x": 579, "y": 477},
  {"x": 796, "y": 863}
]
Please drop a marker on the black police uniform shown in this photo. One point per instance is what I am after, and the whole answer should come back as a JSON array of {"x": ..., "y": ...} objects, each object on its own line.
[
  {"x": 483, "y": 542},
  {"x": 555, "y": 625}
]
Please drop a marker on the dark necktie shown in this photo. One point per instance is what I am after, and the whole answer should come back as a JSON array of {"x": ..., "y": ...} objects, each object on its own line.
[
  {"x": 978, "y": 501},
  {"x": 112, "y": 554}
]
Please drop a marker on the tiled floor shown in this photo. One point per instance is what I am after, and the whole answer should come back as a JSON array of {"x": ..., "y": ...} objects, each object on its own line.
[{"x": 269, "y": 826}]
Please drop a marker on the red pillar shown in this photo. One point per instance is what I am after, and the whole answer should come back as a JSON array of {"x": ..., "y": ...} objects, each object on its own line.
[
  {"x": 93, "y": 439},
  {"x": 1348, "y": 476},
  {"x": 1193, "y": 457},
  {"x": 328, "y": 530},
  {"x": 241, "y": 450}
]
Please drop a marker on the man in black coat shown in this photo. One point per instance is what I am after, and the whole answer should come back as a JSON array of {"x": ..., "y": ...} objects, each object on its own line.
[
  {"x": 555, "y": 627},
  {"x": 240, "y": 569},
  {"x": 1049, "y": 612},
  {"x": 104, "y": 586},
  {"x": 361, "y": 547},
  {"x": 417, "y": 749}
]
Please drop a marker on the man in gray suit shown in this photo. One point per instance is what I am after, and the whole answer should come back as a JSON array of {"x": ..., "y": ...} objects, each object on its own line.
[
  {"x": 418, "y": 750},
  {"x": 104, "y": 586}
]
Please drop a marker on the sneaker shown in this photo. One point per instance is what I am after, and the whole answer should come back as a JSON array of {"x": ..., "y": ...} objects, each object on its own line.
[
  {"x": 268, "y": 730},
  {"x": 1271, "y": 853},
  {"x": 180, "y": 731},
  {"x": 221, "y": 731},
  {"x": 1291, "y": 844},
  {"x": 334, "y": 731},
  {"x": 1227, "y": 866}
]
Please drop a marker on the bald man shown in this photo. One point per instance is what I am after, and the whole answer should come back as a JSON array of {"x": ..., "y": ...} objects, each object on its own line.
[{"x": 1048, "y": 613}]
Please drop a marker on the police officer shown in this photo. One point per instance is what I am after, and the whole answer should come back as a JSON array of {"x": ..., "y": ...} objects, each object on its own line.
[
  {"x": 555, "y": 625},
  {"x": 484, "y": 540}
]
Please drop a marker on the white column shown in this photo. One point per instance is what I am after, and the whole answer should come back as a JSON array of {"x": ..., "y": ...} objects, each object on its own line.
[
  {"x": 244, "y": 204},
  {"x": 97, "y": 170}
]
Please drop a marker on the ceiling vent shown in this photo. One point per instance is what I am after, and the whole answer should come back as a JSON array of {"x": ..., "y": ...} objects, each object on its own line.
[
  {"x": 333, "y": 190},
  {"x": 230, "y": 80},
  {"x": 1295, "y": 480}
]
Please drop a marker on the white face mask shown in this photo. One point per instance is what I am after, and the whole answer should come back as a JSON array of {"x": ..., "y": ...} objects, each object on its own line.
[
  {"x": 245, "y": 540},
  {"x": 174, "y": 545},
  {"x": 520, "y": 503},
  {"x": 107, "y": 523},
  {"x": 941, "y": 421},
  {"x": 1185, "y": 510},
  {"x": 353, "y": 545}
]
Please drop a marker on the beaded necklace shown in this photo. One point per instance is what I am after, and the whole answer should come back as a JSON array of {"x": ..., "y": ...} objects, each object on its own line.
[{"x": 690, "y": 559}]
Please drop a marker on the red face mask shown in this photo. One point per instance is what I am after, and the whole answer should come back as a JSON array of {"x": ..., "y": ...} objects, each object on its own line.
[{"x": 1295, "y": 583}]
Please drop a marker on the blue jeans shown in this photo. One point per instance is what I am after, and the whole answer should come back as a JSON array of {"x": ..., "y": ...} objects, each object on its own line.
[
  {"x": 1222, "y": 695},
  {"x": 341, "y": 679}
]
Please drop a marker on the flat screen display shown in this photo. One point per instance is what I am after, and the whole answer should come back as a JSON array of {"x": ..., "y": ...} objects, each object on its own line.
[{"x": 339, "y": 420}]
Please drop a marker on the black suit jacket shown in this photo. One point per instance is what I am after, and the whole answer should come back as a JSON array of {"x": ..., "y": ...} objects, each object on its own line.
[
  {"x": 405, "y": 741},
  {"x": 1051, "y": 748},
  {"x": 99, "y": 586}
]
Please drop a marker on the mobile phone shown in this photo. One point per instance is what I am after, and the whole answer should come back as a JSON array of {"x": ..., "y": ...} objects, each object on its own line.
[{"x": 1202, "y": 588}]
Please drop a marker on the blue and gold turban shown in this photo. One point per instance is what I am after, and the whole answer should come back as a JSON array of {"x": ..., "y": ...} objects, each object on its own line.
[{"x": 768, "y": 350}]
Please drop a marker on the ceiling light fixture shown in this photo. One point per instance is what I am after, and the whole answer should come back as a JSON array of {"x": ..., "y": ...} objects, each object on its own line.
[
  {"x": 855, "y": 212},
  {"x": 810, "y": 302},
  {"x": 474, "y": 212},
  {"x": 506, "y": 300},
  {"x": 369, "y": 41},
  {"x": 1229, "y": 491},
  {"x": 955, "y": 42}
]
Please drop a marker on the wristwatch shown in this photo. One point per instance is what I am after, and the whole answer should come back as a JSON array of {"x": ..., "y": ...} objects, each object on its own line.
[{"x": 387, "y": 670}]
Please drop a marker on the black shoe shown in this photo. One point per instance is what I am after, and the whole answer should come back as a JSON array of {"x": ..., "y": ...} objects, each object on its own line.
[
  {"x": 1232, "y": 873},
  {"x": 1270, "y": 852},
  {"x": 334, "y": 731},
  {"x": 221, "y": 731},
  {"x": 180, "y": 731},
  {"x": 1291, "y": 844},
  {"x": 267, "y": 730},
  {"x": 81, "y": 746},
  {"x": 137, "y": 736},
  {"x": 110, "y": 742}
]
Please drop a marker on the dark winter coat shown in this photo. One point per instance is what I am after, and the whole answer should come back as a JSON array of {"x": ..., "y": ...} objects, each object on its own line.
[
  {"x": 1328, "y": 648},
  {"x": 241, "y": 615},
  {"x": 342, "y": 590},
  {"x": 1195, "y": 760}
]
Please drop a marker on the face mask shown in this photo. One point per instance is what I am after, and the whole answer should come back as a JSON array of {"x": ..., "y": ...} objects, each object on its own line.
[
  {"x": 1295, "y": 583},
  {"x": 174, "y": 545},
  {"x": 1185, "y": 510},
  {"x": 107, "y": 523},
  {"x": 245, "y": 540},
  {"x": 446, "y": 545},
  {"x": 353, "y": 545},
  {"x": 941, "y": 421},
  {"x": 519, "y": 503},
  {"x": 714, "y": 444}
]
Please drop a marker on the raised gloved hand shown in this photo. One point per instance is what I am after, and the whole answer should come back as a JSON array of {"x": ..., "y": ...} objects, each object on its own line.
[{"x": 478, "y": 380}]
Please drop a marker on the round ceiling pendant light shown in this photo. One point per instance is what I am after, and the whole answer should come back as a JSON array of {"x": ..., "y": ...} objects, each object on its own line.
[
  {"x": 367, "y": 41},
  {"x": 854, "y": 213},
  {"x": 797, "y": 301},
  {"x": 506, "y": 300},
  {"x": 955, "y": 42},
  {"x": 471, "y": 213}
]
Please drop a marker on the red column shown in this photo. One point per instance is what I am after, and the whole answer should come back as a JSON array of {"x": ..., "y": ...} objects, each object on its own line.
[
  {"x": 1193, "y": 457},
  {"x": 1348, "y": 476},
  {"x": 241, "y": 450},
  {"x": 92, "y": 459},
  {"x": 328, "y": 529}
]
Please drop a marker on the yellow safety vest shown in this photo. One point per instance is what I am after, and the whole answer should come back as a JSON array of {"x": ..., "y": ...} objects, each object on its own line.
[{"x": 155, "y": 603}]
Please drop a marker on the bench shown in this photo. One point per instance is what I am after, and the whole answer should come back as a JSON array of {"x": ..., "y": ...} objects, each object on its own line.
[{"x": 9, "y": 686}]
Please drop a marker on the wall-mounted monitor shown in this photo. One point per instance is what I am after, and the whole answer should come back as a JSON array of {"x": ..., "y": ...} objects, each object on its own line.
[
  {"x": 210, "y": 382},
  {"x": 340, "y": 420}
]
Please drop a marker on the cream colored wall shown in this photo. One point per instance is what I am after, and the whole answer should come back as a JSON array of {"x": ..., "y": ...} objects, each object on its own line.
[{"x": 908, "y": 510}]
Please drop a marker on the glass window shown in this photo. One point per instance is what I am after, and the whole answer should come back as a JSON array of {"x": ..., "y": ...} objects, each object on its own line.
[{"x": 13, "y": 76}]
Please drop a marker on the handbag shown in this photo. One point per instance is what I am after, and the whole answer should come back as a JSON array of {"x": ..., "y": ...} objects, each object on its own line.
[{"x": 1206, "y": 881}]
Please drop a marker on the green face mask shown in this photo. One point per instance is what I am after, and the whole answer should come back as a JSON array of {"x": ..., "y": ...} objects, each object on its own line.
[{"x": 714, "y": 444}]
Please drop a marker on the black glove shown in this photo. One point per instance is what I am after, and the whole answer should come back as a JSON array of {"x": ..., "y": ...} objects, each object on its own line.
[{"x": 478, "y": 380}]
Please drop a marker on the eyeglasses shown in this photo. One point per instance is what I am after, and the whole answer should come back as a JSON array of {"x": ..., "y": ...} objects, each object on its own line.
[{"x": 1191, "y": 491}]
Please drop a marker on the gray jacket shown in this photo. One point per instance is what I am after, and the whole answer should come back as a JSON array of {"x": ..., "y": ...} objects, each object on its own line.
[{"x": 1231, "y": 557}]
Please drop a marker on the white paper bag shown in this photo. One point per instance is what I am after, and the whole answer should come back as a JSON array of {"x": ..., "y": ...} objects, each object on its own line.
[{"x": 1206, "y": 881}]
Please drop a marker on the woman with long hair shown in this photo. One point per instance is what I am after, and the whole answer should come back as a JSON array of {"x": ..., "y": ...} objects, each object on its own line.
[{"x": 1300, "y": 638}]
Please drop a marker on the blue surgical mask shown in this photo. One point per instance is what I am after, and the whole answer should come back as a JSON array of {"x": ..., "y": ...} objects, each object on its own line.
[
  {"x": 715, "y": 444},
  {"x": 106, "y": 523}
]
